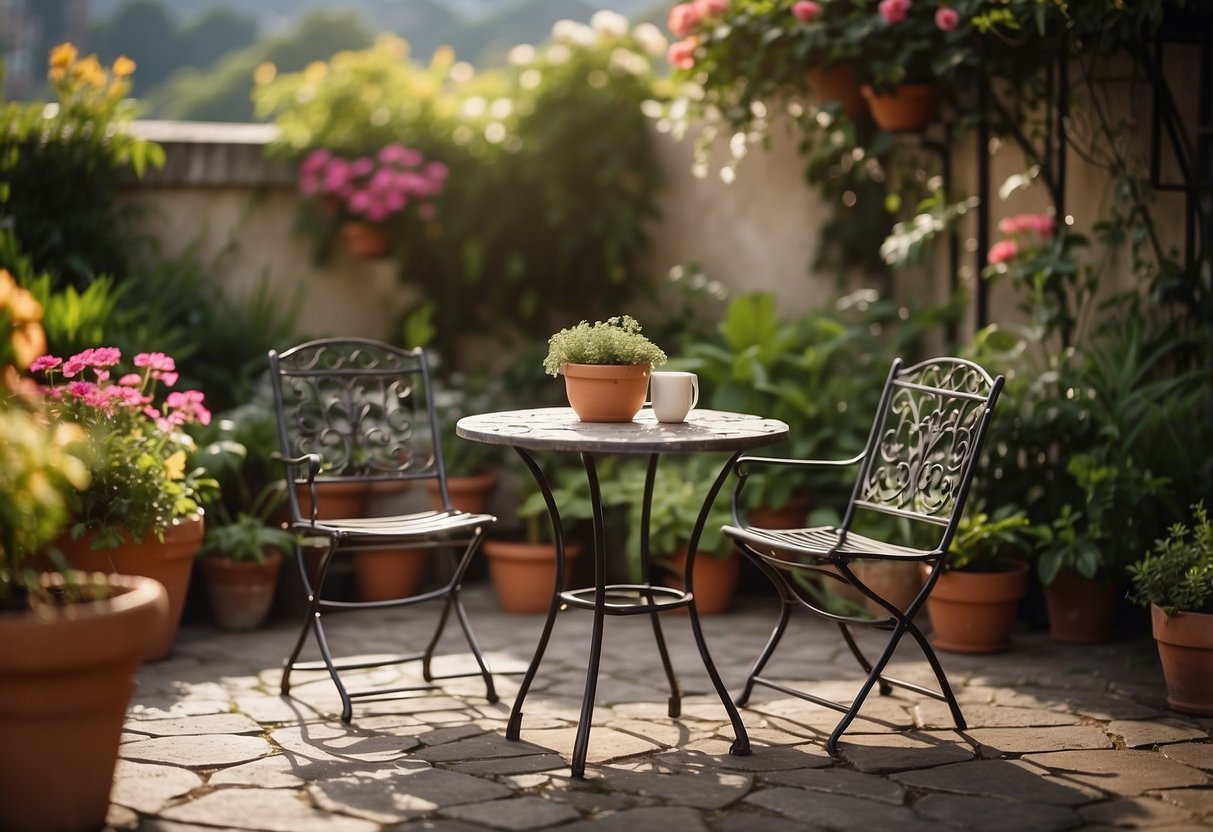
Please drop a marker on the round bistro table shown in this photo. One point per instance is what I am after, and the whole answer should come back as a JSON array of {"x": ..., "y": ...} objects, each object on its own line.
[{"x": 558, "y": 429}]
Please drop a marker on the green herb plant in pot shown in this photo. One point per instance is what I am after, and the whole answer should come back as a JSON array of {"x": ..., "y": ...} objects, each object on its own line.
[
  {"x": 1175, "y": 580},
  {"x": 974, "y": 603},
  {"x": 606, "y": 367}
]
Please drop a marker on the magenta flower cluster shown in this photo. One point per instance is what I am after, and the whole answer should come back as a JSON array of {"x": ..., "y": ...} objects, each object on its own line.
[
  {"x": 684, "y": 20},
  {"x": 1021, "y": 230},
  {"x": 377, "y": 187},
  {"x": 90, "y": 385}
]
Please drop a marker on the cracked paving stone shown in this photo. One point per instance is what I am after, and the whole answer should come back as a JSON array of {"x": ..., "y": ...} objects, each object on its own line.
[
  {"x": 438, "y": 736},
  {"x": 503, "y": 766},
  {"x": 715, "y": 752},
  {"x": 149, "y": 788},
  {"x": 271, "y": 710},
  {"x": 1197, "y": 755},
  {"x": 482, "y": 747},
  {"x": 994, "y": 815},
  {"x": 838, "y": 812},
  {"x": 702, "y": 789},
  {"x": 518, "y": 814},
  {"x": 980, "y": 715},
  {"x": 1124, "y": 773},
  {"x": 741, "y": 821},
  {"x": 273, "y": 810},
  {"x": 841, "y": 781},
  {"x": 326, "y": 742},
  {"x": 276, "y": 772},
  {"x": 1199, "y": 801},
  {"x": 1006, "y": 779},
  {"x": 392, "y": 795},
  {"x": 206, "y": 724},
  {"x": 1147, "y": 734},
  {"x": 996, "y": 742},
  {"x": 1135, "y": 811},
  {"x": 646, "y": 819},
  {"x": 874, "y": 753},
  {"x": 197, "y": 751},
  {"x": 605, "y": 743}
]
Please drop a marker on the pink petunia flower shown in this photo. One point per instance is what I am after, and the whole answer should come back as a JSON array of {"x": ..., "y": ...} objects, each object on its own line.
[
  {"x": 806, "y": 10},
  {"x": 683, "y": 19},
  {"x": 894, "y": 11},
  {"x": 1003, "y": 251},
  {"x": 711, "y": 8},
  {"x": 681, "y": 53},
  {"x": 946, "y": 20},
  {"x": 44, "y": 362}
]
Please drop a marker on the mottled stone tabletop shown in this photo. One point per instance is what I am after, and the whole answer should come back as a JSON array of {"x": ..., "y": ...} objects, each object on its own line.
[{"x": 559, "y": 429}]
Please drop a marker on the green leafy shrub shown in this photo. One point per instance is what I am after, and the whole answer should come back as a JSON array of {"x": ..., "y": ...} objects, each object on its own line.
[
  {"x": 1177, "y": 574},
  {"x": 616, "y": 340}
]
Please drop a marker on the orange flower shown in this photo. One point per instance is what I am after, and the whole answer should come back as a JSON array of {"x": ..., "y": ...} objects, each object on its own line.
[
  {"x": 63, "y": 55},
  {"x": 123, "y": 66}
]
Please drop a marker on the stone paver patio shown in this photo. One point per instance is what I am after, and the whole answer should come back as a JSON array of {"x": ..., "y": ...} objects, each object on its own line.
[{"x": 1060, "y": 737}]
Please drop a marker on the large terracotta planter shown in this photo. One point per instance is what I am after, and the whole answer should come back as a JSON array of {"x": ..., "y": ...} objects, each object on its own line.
[
  {"x": 470, "y": 493},
  {"x": 838, "y": 83},
  {"x": 898, "y": 582},
  {"x": 65, "y": 684},
  {"x": 973, "y": 612},
  {"x": 241, "y": 592},
  {"x": 524, "y": 574},
  {"x": 336, "y": 499},
  {"x": 366, "y": 240},
  {"x": 388, "y": 574},
  {"x": 606, "y": 392},
  {"x": 170, "y": 562},
  {"x": 1080, "y": 609},
  {"x": 714, "y": 583},
  {"x": 1185, "y": 648},
  {"x": 905, "y": 109}
]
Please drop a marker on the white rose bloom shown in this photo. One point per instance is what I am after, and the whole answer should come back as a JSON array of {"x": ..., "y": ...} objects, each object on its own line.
[
  {"x": 521, "y": 54},
  {"x": 606, "y": 22},
  {"x": 573, "y": 33},
  {"x": 651, "y": 38}
]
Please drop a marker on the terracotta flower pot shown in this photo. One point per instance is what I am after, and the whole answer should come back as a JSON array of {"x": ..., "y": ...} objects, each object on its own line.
[
  {"x": 387, "y": 574},
  {"x": 606, "y": 392},
  {"x": 65, "y": 684},
  {"x": 470, "y": 493},
  {"x": 336, "y": 500},
  {"x": 366, "y": 240},
  {"x": 241, "y": 592},
  {"x": 838, "y": 83},
  {"x": 1080, "y": 609},
  {"x": 524, "y": 574},
  {"x": 170, "y": 562},
  {"x": 1185, "y": 648},
  {"x": 714, "y": 583},
  {"x": 973, "y": 612},
  {"x": 905, "y": 109},
  {"x": 898, "y": 582}
]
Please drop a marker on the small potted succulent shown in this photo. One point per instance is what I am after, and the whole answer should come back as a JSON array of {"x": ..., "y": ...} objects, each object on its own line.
[
  {"x": 1175, "y": 580},
  {"x": 606, "y": 366}
]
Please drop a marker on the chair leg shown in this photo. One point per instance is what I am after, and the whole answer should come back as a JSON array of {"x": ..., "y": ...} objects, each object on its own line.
[
  {"x": 885, "y": 688},
  {"x": 944, "y": 686},
  {"x": 426, "y": 673},
  {"x": 312, "y": 614},
  {"x": 785, "y": 614},
  {"x": 490, "y": 691}
]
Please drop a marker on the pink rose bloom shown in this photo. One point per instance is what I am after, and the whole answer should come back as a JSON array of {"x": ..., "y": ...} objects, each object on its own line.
[
  {"x": 806, "y": 10},
  {"x": 683, "y": 19},
  {"x": 1041, "y": 224},
  {"x": 681, "y": 53},
  {"x": 894, "y": 11},
  {"x": 946, "y": 19},
  {"x": 711, "y": 8},
  {"x": 1003, "y": 251}
]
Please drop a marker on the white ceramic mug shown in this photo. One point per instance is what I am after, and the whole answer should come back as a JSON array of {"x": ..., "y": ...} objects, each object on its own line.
[{"x": 673, "y": 394}]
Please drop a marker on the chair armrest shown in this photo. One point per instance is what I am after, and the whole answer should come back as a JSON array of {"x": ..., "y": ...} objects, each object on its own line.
[
  {"x": 802, "y": 463},
  {"x": 313, "y": 468}
]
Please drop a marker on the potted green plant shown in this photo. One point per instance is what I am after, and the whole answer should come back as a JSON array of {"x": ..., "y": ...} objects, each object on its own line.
[
  {"x": 1175, "y": 580},
  {"x": 141, "y": 513},
  {"x": 974, "y": 602},
  {"x": 471, "y": 467},
  {"x": 70, "y": 643},
  {"x": 606, "y": 366}
]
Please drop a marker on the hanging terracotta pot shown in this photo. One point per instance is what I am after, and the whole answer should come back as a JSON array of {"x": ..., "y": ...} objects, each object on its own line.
[
  {"x": 388, "y": 574},
  {"x": 1080, "y": 609},
  {"x": 906, "y": 108},
  {"x": 973, "y": 612},
  {"x": 366, "y": 240},
  {"x": 241, "y": 592},
  {"x": 65, "y": 684},
  {"x": 170, "y": 562},
  {"x": 1185, "y": 648},
  {"x": 524, "y": 574},
  {"x": 837, "y": 82},
  {"x": 714, "y": 582},
  {"x": 606, "y": 392},
  {"x": 470, "y": 493}
]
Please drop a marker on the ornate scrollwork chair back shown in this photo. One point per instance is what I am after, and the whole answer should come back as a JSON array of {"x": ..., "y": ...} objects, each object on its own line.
[
  {"x": 360, "y": 414},
  {"x": 918, "y": 465}
]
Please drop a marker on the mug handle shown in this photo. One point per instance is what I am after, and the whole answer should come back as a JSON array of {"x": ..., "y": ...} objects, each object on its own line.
[{"x": 694, "y": 391}]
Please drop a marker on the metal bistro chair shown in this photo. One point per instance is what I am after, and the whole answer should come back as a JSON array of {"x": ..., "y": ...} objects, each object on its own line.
[
  {"x": 918, "y": 464},
  {"x": 360, "y": 412}
]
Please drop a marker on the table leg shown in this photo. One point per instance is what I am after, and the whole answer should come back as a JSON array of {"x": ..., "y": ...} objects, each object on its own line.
[
  {"x": 514, "y": 726},
  {"x": 582, "y": 742},
  {"x": 741, "y": 743},
  {"x": 674, "y": 704}
]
